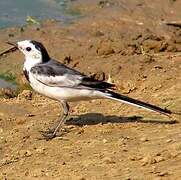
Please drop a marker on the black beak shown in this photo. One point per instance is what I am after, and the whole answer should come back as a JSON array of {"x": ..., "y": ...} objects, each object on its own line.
[
  {"x": 12, "y": 44},
  {"x": 12, "y": 49}
]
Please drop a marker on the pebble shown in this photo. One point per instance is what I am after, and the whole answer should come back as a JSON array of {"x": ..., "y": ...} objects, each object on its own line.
[
  {"x": 144, "y": 139},
  {"x": 40, "y": 150},
  {"x": 135, "y": 157},
  {"x": 81, "y": 178},
  {"x": 7, "y": 92},
  {"x": 81, "y": 131},
  {"x": 26, "y": 94},
  {"x": 25, "y": 153},
  {"x": 148, "y": 160},
  {"x": 1, "y": 130},
  {"x": 169, "y": 140},
  {"x": 105, "y": 48},
  {"x": 124, "y": 149},
  {"x": 1, "y": 114},
  {"x": 159, "y": 159},
  {"x": 108, "y": 160},
  {"x": 104, "y": 141},
  {"x": 163, "y": 173},
  {"x": 29, "y": 115}
]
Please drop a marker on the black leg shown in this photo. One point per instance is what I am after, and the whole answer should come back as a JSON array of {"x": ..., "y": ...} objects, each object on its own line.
[{"x": 51, "y": 133}]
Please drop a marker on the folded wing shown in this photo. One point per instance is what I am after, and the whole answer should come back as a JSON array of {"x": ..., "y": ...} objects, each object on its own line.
[{"x": 58, "y": 75}]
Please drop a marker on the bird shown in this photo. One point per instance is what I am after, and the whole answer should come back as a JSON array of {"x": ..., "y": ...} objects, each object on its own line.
[{"x": 57, "y": 81}]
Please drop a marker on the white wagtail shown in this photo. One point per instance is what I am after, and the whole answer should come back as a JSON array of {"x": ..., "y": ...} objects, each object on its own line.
[{"x": 59, "y": 82}]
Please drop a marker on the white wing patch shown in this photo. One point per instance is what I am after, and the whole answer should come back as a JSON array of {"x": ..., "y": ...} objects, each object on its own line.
[{"x": 65, "y": 80}]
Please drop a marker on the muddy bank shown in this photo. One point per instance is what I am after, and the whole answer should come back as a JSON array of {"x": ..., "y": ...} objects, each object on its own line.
[{"x": 128, "y": 43}]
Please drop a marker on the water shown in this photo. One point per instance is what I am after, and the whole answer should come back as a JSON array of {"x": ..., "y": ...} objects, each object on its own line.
[
  {"x": 6, "y": 84},
  {"x": 15, "y": 12}
]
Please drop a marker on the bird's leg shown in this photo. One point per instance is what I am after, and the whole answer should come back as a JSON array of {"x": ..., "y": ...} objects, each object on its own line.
[{"x": 51, "y": 133}]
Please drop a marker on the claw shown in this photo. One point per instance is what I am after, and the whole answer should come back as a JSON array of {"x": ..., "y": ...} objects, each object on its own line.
[{"x": 48, "y": 135}]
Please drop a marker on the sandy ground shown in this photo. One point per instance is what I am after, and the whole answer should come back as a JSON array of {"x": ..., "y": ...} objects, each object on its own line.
[{"x": 127, "y": 42}]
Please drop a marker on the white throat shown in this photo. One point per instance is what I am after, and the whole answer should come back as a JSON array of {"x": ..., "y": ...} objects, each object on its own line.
[{"x": 31, "y": 62}]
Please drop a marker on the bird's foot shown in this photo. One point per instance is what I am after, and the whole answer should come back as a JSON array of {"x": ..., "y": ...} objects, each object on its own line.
[
  {"x": 48, "y": 135},
  {"x": 51, "y": 133}
]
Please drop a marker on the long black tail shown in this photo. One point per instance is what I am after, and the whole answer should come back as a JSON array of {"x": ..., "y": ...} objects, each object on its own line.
[{"x": 128, "y": 100}]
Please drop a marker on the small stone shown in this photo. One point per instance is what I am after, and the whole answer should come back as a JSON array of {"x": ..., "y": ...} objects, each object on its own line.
[
  {"x": 148, "y": 160},
  {"x": 104, "y": 141},
  {"x": 25, "y": 153},
  {"x": 105, "y": 48},
  {"x": 20, "y": 121},
  {"x": 40, "y": 150},
  {"x": 159, "y": 159},
  {"x": 82, "y": 178},
  {"x": 26, "y": 94},
  {"x": 8, "y": 92},
  {"x": 29, "y": 115},
  {"x": 108, "y": 160},
  {"x": 11, "y": 35},
  {"x": 135, "y": 157},
  {"x": 125, "y": 149},
  {"x": 63, "y": 163},
  {"x": 1, "y": 114},
  {"x": 169, "y": 140},
  {"x": 28, "y": 153},
  {"x": 144, "y": 139},
  {"x": 1, "y": 130},
  {"x": 132, "y": 158},
  {"x": 163, "y": 173},
  {"x": 98, "y": 33},
  {"x": 81, "y": 131},
  {"x": 26, "y": 173}
]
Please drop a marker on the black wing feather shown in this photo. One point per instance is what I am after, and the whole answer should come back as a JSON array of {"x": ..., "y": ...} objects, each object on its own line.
[
  {"x": 65, "y": 76},
  {"x": 92, "y": 83}
]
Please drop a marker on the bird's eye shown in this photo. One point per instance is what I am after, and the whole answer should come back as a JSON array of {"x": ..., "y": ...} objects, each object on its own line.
[{"x": 28, "y": 49}]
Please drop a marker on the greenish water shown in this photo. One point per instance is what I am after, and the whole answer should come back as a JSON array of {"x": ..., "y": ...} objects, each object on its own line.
[
  {"x": 15, "y": 12},
  {"x": 8, "y": 80},
  {"x": 6, "y": 84}
]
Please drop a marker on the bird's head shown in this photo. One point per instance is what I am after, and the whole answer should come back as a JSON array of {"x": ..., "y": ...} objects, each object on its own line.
[{"x": 33, "y": 50}]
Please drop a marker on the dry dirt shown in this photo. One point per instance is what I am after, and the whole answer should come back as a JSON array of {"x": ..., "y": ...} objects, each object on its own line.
[{"x": 127, "y": 42}]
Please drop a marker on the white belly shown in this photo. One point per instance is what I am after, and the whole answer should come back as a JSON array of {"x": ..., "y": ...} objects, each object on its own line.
[{"x": 64, "y": 93}]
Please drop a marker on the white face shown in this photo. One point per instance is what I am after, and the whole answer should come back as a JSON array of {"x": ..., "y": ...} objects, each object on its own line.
[
  {"x": 29, "y": 50},
  {"x": 32, "y": 55}
]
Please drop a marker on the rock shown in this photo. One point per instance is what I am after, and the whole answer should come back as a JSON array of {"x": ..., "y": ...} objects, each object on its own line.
[
  {"x": 105, "y": 48},
  {"x": 169, "y": 140},
  {"x": 63, "y": 163},
  {"x": 80, "y": 178},
  {"x": 101, "y": 76},
  {"x": 163, "y": 173},
  {"x": 29, "y": 115},
  {"x": 148, "y": 160},
  {"x": 98, "y": 33},
  {"x": 128, "y": 87},
  {"x": 159, "y": 159},
  {"x": 104, "y": 3},
  {"x": 7, "y": 92},
  {"x": 26, "y": 94},
  {"x": 144, "y": 139},
  {"x": 40, "y": 150},
  {"x": 104, "y": 141},
  {"x": 109, "y": 160},
  {"x": 1, "y": 130},
  {"x": 81, "y": 131},
  {"x": 25, "y": 153}
]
